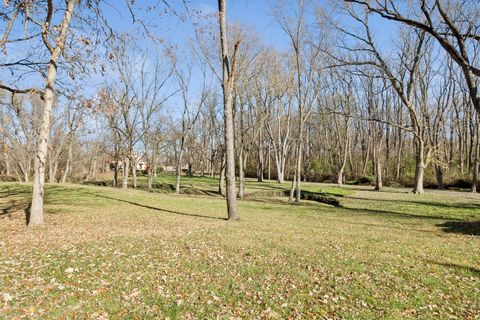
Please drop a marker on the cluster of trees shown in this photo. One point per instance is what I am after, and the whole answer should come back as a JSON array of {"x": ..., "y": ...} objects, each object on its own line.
[{"x": 337, "y": 104}]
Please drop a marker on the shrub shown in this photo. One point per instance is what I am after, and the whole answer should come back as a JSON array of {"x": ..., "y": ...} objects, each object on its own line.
[
  {"x": 318, "y": 197},
  {"x": 365, "y": 180},
  {"x": 5, "y": 178}
]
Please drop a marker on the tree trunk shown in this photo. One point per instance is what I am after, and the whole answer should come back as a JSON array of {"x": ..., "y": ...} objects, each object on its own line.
[
  {"x": 93, "y": 171},
  {"x": 420, "y": 168},
  {"x": 115, "y": 174},
  {"x": 476, "y": 165},
  {"x": 241, "y": 174},
  {"x": 221, "y": 181},
  {"x": 51, "y": 177},
  {"x": 298, "y": 176},
  {"x": 126, "y": 167},
  {"x": 227, "y": 84},
  {"x": 378, "y": 173},
  {"x": 134, "y": 172},
  {"x": 261, "y": 159},
  {"x": 190, "y": 169},
  {"x": 178, "y": 172},
  {"x": 36, "y": 210},
  {"x": 6, "y": 158},
  {"x": 294, "y": 184},
  {"x": 268, "y": 163},
  {"x": 344, "y": 159},
  {"x": 68, "y": 166},
  {"x": 439, "y": 175},
  {"x": 149, "y": 179}
]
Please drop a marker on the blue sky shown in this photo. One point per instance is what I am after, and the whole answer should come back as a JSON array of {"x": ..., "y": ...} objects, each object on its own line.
[
  {"x": 256, "y": 14},
  {"x": 253, "y": 13}
]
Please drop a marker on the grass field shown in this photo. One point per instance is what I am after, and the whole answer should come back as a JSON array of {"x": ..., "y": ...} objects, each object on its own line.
[{"x": 107, "y": 253}]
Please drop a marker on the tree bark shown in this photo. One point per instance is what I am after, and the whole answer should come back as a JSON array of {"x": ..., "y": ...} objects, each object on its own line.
[
  {"x": 476, "y": 163},
  {"x": 378, "y": 174},
  {"x": 150, "y": 179},
  {"x": 68, "y": 166},
  {"x": 36, "y": 210},
  {"x": 227, "y": 84},
  {"x": 420, "y": 168},
  {"x": 221, "y": 181},
  {"x": 439, "y": 176},
  {"x": 178, "y": 172},
  {"x": 241, "y": 174},
  {"x": 126, "y": 167},
  {"x": 134, "y": 172}
]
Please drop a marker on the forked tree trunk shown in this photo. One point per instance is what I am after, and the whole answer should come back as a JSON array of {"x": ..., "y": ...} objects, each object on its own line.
[{"x": 36, "y": 210}]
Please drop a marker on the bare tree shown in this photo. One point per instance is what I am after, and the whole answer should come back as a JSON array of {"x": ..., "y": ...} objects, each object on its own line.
[
  {"x": 228, "y": 81},
  {"x": 306, "y": 53}
]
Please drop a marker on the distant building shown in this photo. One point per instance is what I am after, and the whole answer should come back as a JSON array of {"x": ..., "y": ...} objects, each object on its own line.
[
  {"x": 142, "y": 164},
  {"x": 173, "y": 169}
]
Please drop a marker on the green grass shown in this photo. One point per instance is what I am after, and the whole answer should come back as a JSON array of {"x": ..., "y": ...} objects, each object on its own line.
[
  {"x": 136, "y": 255},
  {"x": 209, "y": 186}
]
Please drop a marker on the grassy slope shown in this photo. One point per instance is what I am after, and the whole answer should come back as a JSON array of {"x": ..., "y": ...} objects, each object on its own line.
[{"x": 131, "y": 254}]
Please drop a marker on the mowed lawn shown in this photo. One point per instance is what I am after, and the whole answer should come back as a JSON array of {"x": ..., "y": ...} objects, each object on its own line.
[{"x": 107, "y": 253}]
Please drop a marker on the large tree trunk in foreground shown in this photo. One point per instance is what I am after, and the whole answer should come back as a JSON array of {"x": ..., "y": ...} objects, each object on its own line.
[
  {"x": 36, "y": 210},
  {"x": 227, "y": 84}
]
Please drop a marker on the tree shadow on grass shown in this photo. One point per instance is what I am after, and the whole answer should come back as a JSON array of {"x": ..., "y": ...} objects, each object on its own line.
[
  {"x": 393, "y": 214},
  {"x": 160, "y": 209},
  {"x": 456, "y": 205},
  {"x": 457, "y": 267},
  {"x": 471, "y": 228}
]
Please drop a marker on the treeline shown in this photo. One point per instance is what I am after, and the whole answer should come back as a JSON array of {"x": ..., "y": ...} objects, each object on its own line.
[{"x": 339, "y": 104}]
